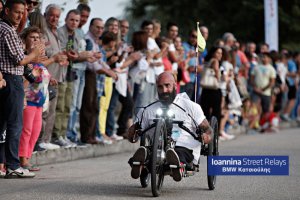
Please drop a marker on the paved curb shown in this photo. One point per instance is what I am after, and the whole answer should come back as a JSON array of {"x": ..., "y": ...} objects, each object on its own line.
[
  {"x": 93, "y": 151},
  {"x": 283, "y": 125},
  {"x": 76, "y": 153}
]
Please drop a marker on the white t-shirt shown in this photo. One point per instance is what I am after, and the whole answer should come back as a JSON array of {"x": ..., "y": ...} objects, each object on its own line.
[
  {"x": 152, "y": 46},
  {"x": 139, "y": 71},
  {"x": 172, "y": 47},
  {"x": 191, "y": 108},
  {"x": 282, "y": 71},
  {"x": 262, "y": 75}
]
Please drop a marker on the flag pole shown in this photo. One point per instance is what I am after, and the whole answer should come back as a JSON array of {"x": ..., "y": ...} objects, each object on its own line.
[{"x": 196, "y": 65}]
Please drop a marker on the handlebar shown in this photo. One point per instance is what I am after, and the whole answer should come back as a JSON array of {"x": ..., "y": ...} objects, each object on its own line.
[{"x": 180, "y": 125}]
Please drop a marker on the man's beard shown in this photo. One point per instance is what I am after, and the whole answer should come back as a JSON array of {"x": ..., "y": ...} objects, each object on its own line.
[{"x": 167, "y": 98}]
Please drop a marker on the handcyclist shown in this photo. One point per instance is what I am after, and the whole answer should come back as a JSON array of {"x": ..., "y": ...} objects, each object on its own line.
[{"x": 187, "y": 149}]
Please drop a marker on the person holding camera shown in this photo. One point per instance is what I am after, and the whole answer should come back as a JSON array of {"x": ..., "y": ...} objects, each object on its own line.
[
  {"x": 36, "y": 96},
  {"x": 12, "y": 60},
  {"x": 70, "y": 43}
]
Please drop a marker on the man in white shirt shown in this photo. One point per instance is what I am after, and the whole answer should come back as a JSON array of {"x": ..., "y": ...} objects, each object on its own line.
[
  {"x": 263, "y": 79},
  {"x": 187, "y": 149}
]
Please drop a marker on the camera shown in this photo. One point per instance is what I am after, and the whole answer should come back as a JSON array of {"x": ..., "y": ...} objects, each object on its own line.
[
  {"x": 28, "y": 74},
  {"x": 71, "y": 74}
]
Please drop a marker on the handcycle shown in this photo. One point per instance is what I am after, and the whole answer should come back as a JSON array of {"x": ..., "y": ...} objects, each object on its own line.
[{"x": 156, "y": 167}]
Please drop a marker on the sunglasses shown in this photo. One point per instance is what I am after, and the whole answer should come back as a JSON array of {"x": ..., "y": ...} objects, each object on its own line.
[{"x": 35, "y": 3}]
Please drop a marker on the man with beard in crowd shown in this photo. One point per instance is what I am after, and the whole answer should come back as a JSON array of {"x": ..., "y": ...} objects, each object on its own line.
[{"x": 187, "y": 149}]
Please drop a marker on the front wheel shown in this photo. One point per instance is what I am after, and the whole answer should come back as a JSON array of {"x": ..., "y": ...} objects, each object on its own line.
[
  {"x": 213, "y": 150},
  {"x": 157, "y": 160},
  {"x": 145, "y": 178},
  {"x": 145, "y": 175}
]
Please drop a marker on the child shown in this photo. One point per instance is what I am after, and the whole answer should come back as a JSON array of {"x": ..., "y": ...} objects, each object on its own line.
[
  {"x": 250, "y": 114},
  {"x": 270, "y": 122}
]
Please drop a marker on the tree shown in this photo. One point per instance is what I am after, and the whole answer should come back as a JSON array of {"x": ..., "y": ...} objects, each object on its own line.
[{"x": 83, "y": 1}]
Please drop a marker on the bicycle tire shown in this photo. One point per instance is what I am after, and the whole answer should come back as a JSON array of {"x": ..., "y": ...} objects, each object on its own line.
[
  {"x": 157, "y": 168},
  {"x": 213, "y": 151},
  {"x": 145, "y": 175}
]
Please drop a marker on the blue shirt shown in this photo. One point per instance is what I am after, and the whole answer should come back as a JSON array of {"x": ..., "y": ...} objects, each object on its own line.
[
  {"x": 292, "y": 68},
  {"x": 187, "y": 48},
  {"x": 202, "y": 56}
]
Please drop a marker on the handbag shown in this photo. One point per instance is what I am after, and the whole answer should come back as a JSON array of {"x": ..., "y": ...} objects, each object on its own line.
[
  {"x": 208, "y": 79},
  {"x": 235, "y": 101}
]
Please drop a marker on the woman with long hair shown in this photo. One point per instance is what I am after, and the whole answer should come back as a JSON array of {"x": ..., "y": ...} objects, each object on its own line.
[
  {"x": 211, "y": 99},
  {"x": 144, "y": 92}
]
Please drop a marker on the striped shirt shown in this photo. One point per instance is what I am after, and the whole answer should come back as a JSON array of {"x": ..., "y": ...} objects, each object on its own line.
[{"x": 11, "y": 50}]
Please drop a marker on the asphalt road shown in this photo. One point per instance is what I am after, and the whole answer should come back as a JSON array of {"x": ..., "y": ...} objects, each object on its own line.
[{"x": 109, "y": 177}]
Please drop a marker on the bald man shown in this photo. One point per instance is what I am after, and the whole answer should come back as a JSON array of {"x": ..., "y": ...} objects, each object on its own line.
[{"x": 187, "y": 149}]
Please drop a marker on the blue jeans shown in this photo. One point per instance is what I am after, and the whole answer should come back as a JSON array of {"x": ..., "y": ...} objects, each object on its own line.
[
  {"x": 78, "y": 86},
  {"x": 11, "y": 117},
  {"x": 294, "y": 112}
]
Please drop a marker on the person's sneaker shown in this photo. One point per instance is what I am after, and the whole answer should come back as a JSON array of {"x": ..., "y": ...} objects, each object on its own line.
[
  {"x": 37, "y": 148},
  {"x": 81, "y": 144},
  {"x": 19, "y": 173},
  {"x": 62, "y": 142},
  {"x": 72, "y": 144},
  {"x": 222, "y": 138},
  {"x": 2, "y": 174},
  {"x": 49, "y": 146},
  {"x": 285, "y": 117},
  {"x": 226, "y": 136},
  {"x": 116, "y": 137},
  {"x": 138, "y": 160},
  {"x": 174, "y": 163},
  {"x": 103, "y": 140}
]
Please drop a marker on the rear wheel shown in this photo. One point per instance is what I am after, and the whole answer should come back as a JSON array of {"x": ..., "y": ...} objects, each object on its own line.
[
  {"x": 157, "y": 161},
  {"x": 213, "y": 150}
]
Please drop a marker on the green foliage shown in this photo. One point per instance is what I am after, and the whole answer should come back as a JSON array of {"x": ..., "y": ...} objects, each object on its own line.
[
  {"x": 83, "y": 1},
  {"x": 244, "y": 18}
]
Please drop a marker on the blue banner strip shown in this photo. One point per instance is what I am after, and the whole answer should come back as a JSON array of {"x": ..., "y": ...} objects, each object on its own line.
[{"x": 248, "y": 165}]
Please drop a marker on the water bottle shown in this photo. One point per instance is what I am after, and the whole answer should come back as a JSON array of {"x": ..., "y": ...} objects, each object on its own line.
[{"x": 175, "y": 134}]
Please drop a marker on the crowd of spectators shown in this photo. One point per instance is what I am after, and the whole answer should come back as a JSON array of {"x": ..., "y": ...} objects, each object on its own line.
[{"x": 60, "y": 87}]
